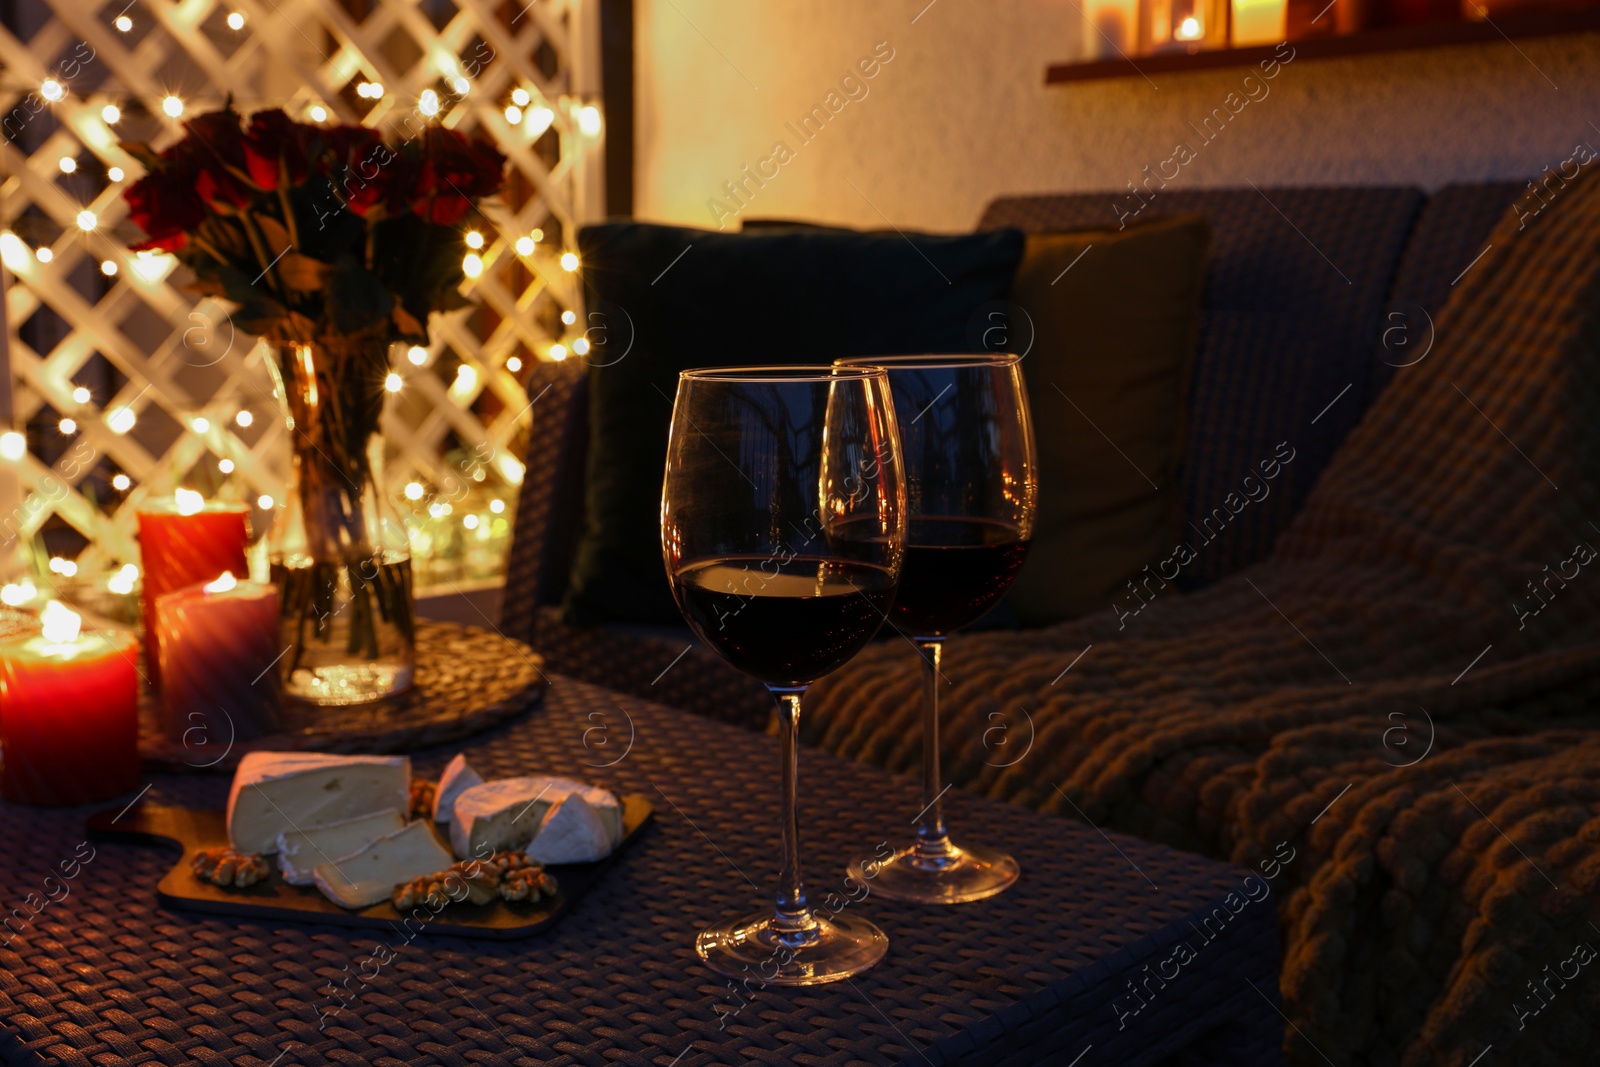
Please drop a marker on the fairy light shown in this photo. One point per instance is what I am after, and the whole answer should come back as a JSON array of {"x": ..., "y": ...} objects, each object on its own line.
[
  {"x": 520, "y": 97},
  {"x": 525, "y": 246},
  {"x": 87, "y": 221},
  {"x": 111, "y": 113},
  {"x": 413, "y": 490},
  {"x": 51, "y": 90},
  {"x": 264, "y": 502},
  {"x": 513, "y": 114},
  {"x": 558, "y": 352},
  {"x": 589, "y": 120},
  {"x": 497, "y": 506},
  {"x": 437, "y": 510},
  {"x": 123, "y": 23},
  {"x": 428, "y": 103},
  {"x": 108, "y": 268},
  {"x": 514, "y": 364},
  {"x": 466, "y": 381},
  {"x": 461, "y": 85},
  {"x": 188, "y": 501},
  {"x": 81, "y": 394},
  {"x": 121, "y": 483},
  {"x": 44, "y": 254},
  {"x": 225, "y": 466},
  {"x": 64, "y": 567},
  {"x": 318, "y": 113},
  {"x": 538, "y": 119},
  {"x": 474, "y": 239},
  {"x": 538, "y": 234},
  {"x": 417, "y": 355},
  {"x": 13, "y": 446},
  {"x": 68, "y": 165},
  {"x": 236, "y": 20},
  {"x": 478, "y": 475},
  {"x": 1188, "y": 29},
  {"x": 470, "y": 522},
  {"x": 121, "y": 420},
  {"x": 472, "y": 264},
  {"x": 121, "y": 583},
  {"x": 370, "y": 91},
  {"x": 172, "y": 106},
  {"x": 569, "y": 317},
  {"x": 68, "y": 426},
  {"x": 244, "y": 418},
  {"x": 394, "y": 383},
  {"x": 115, "y": 174},
  {"x": 580, "y": 346},
  {"x": 16, "y": 594},
  {"x": 569, "y": 261},
  {"x": 13, "y": 253},
  {"x": 201, "y": 425}
]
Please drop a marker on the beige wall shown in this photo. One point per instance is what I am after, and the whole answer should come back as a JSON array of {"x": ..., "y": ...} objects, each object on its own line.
[{"x": 961, "y": 114}]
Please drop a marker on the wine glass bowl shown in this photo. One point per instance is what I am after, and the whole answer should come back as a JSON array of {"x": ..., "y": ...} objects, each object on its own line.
[
  {"x": 783, "y": 533},
  {"x": 972, "y": 488}
]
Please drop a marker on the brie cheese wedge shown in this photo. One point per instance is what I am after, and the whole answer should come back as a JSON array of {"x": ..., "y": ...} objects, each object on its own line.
[
  {"x": 370, "y": 875},
  {"x": 507, "y": 812},
  {"x": 457, "y": 779},
  {"x": 572, "y": 832},
  {"x": 301, "y": 850},
  {"x": 280, "y": 792}
]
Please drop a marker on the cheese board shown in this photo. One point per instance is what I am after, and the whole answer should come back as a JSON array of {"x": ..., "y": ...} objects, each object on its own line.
[{"x": 273, "y": 899}]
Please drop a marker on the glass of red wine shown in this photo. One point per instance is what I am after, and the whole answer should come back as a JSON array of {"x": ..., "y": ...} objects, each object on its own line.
[
  {"x": 783, "y": 529},
  {"x": 972, "y": 486}
]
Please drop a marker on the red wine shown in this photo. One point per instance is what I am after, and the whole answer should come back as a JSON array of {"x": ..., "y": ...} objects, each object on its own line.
[
  {"x": 785, "y": 623},
  {"x": 955, "y": 570}
]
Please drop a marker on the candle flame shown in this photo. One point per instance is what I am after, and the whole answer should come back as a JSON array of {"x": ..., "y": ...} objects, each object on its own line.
[
  {"x": 190, "y": 502},
  {"x": 60, "y": 623},
  {"x": 225, "y": 581}
]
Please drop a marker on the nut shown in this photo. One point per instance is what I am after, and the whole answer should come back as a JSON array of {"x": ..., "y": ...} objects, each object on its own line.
[
  {"x": 422, "y": 794},
  {"x": 467, "y": 881},
  {"x": 527, "y": 885},
  {"x": 229, "y": 869}
]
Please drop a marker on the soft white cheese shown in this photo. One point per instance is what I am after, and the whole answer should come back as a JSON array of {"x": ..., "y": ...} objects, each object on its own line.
[
  {"x": 280, "y": 792},
  {"x": 572, "y": 832},
  {"x": 457, "y": 778},
  {"x": 507, "y": 812},
  {"x": 370, "y": 875},
  {"x": 301, "y": 850}
]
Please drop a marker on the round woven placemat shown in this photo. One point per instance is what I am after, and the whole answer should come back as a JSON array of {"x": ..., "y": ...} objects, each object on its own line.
[{"x": 467, "y": 680}]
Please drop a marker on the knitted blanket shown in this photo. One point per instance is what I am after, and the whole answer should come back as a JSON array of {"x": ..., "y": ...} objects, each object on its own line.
[{"x": 1404, "y": 697}]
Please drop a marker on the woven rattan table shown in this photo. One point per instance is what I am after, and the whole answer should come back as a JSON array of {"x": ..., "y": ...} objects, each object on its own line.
[{"x": 92, "y": 971}]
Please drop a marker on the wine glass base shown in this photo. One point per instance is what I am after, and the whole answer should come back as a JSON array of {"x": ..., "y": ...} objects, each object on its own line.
[
  {"x": 833, "y": 950},
  {"x": 956, "y": 877}
]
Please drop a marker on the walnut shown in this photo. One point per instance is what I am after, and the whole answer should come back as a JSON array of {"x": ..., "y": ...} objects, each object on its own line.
[
  {"x": 527, "y": 884},
  {"x": 227, "y": 868},
  {"x": 422, "y": 794},
  {"x": 461, "y": 882}
]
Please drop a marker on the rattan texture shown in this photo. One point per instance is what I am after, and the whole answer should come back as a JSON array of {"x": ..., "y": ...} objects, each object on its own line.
[
  {"x": 1290, "y": 315},
  {"x": 104, "y": 976},
  {"x": 467, "y": 680}
]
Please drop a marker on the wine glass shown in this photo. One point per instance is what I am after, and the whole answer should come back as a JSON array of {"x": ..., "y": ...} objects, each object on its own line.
[
  {"x": 783, "y": 529},
  {"x": 972, "y": 485}
]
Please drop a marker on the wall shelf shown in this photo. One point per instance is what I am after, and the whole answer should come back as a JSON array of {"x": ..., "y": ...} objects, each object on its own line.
[{"x": 1397, "y": 39}]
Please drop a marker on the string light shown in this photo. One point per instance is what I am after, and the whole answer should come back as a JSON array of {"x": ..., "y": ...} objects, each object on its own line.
[
  {"x": 87, "y": 221},
  {"x": 589, "y": 120},
  {"x": 438, "y": 510},
  {"x": 68, "y": 164},
  {"x": 580, "y": 346},
  {"x": 123, "y": 23},
  {"x": 474, "y": 239},
  {"x": 121, "y": 483},
  {"x": 172, "y": 106},
  {"x": 111, "y": 113},
  {"x": 417, "y": 355},
  {"x": 13, "y": 253},
  {"x": 44, "y": 254},
  {"x": 64, "y": 567},
  {"x": 472, "y": 265},
  {"x": 524, "y": 246},
  {"x": 81, "y": 394},
  {"x": 370, "y": 91},
  {"x": 319, "y": 113},
  {"x": 538, "y": 234},
  {"x": 413, "y": 490},
  {"x": 201, "y": 425},
  {"x": 13, "y": 446},
  {"x": 513, "y": 114},
  {"x": 244, "y": 418},
  {"x": 470, "y": 522},
  {"x": 15, "y": 595},
  {"x": 569, "y": 261},
  {"x": 69, "y": 426},
  {"x": 428, "y": 102},
  {"x": 108, "y": 268},
  {"x": 497, "y": 506},
  {"x": 121, "y": 583},
  {"x": 520, "y": 97},
  {"x": 235, "y": 21},
  {"x": 121, "y": 420},
  {"x": 514, "y": 364},
  {"x": 225, "y": 466},
  {"x": 558, "y": 352},
  {"x": 264, "y": 502},
  {"x": 569, "y": 317},
  {"x": 538, "y": 120},
  {"x": 461, "y": 85},
  {"x": 115, "y": 174},
  {"x": 51, "y": 90},
  {"x": 394, "y": 383}
]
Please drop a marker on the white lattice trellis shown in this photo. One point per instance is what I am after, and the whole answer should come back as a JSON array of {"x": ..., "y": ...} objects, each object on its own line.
[{"x": 125, "y": 386}]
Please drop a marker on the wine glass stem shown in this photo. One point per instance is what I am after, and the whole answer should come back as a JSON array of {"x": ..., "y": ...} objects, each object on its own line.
[
  {"x": 793, "y": 922},
  {"x": 931, "y": 837}
]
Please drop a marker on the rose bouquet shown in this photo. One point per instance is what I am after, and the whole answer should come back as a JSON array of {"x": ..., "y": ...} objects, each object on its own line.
[{"x": 334, "y": 245}]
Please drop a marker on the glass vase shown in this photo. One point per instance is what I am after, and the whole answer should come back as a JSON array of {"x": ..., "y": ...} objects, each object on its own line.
[{"x": 339, "y": 555}]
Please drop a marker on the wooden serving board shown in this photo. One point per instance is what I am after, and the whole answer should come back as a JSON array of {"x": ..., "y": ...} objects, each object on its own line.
[{"x": 190, "y": 831}]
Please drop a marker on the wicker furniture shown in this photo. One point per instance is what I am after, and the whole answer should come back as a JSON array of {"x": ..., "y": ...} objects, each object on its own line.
[{"x": 1039, "y": 974}]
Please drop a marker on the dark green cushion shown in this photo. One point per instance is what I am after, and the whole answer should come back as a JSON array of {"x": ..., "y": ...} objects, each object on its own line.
[{"x": 807, "y": 296}]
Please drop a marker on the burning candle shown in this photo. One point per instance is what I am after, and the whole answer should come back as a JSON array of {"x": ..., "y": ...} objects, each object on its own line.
[
  {"x": 184, "y": 541},
  {"x": 69, "y": 721},
  {"x": 219, "y": 649}
]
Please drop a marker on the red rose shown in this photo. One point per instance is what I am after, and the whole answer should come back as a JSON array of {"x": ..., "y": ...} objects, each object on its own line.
[
  {"x": 362, "y": 169},
  {"x": 214, "y": 145},
  {"x": 455, "y": 171},
  {"x": 274, "y": 139},
  {"x": 163, "y": 204}
]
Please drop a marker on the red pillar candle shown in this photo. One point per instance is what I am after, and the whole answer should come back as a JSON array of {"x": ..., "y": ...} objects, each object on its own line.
[
  {"x": 219, "y": 654},
  {"x": 69, "y": 720},
  {"x": 184, "y": 541}
]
